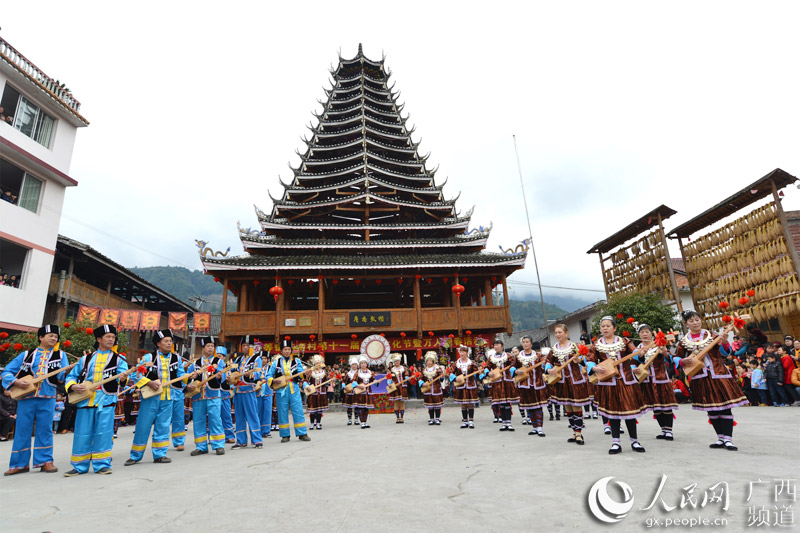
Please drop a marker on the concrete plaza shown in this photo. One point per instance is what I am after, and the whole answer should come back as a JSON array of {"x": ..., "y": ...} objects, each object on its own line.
[{"x": 412, "y": 477}]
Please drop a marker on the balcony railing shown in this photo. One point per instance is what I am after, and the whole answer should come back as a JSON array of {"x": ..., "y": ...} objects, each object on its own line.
[
  {"x": 334, "y": 323},
  {"x": 57, "y": 90}
]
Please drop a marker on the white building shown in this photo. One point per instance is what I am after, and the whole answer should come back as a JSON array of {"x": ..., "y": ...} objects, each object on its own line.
[
  {"x": 40, "y": 121},
  {"x": 577, "y": 322}
]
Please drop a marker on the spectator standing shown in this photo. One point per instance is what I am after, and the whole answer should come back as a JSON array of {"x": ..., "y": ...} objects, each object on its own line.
[
  {"x": 788, "y": 366},
  {"x": 758, "y": 382},
  {"x": 8, "y": 415},
  {"x": 57, "y": 413},
  {"x": 773, "y": 371}
]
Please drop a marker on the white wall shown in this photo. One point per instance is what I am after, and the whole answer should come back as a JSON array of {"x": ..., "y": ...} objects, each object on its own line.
[
  {"x": 25, "y": 306},
  {"x": 39, "y": 228},
  {"x": 59, "y": 155}
]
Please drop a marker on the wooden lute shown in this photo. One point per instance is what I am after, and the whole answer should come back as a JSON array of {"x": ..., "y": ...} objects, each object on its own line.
[
  {"x": 695, "y": 363},
  {"x": 392, "y": 386},
  {"x": 281, "y": 381},
  {"x": 522, "y": 373},
  {"x": 641, "y": 372},
  {"x": 29, "y": 384},
  {"x": 426, "y": 387},
  {"x": 496, "y": 374},
  {"x": 194, "y": 388},
  {"x": 462, "y": 378},
  {"x": 556, "y": 374},
  {"x": 148, "y": 392},
  {"x": 311, "y": 389},
  {"x": 361, "y": 388},
  {"x": 609, "y": 367},
  {"x": 91, "y": 386}
]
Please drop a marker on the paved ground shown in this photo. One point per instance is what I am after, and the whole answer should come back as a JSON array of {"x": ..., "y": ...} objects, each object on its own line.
[{"x": 409, "y": 477}]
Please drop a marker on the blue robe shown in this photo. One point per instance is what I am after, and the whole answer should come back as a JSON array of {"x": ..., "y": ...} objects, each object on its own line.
[
  {"x": 288, "y": 397},
  {"x": 245, "y": 401},
  {"x": 207, "y": 419}
]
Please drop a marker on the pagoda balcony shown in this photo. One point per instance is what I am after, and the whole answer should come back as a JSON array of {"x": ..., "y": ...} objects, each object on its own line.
[{"x": 335, "y": 323}]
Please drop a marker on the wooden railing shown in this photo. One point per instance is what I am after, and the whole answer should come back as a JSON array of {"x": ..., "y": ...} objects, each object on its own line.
[
  {"x": 87, "y": 294},
  {"x": 26, "y": 66},
  {"x": 335, "y": 322}
]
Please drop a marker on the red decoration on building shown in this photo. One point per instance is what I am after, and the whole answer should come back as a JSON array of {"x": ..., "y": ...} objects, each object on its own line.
[
  {"x": 276, "y": 292},
  {"x": 312, "y": 336},
  {"x": 255, "y": 282},
  {"x": 458, "y": 289}
]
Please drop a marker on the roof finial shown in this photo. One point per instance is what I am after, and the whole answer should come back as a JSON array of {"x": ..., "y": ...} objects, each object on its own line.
[{"x": 360, "y": 50}]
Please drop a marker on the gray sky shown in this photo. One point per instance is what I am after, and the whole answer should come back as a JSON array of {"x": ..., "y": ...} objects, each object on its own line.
[{"x": 197, "y": 107}]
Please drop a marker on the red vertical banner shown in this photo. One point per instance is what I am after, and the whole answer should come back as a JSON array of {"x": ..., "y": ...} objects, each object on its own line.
[
  {"x": 109, "y": 316},
  {"x": 151, "y": 320},
  {"x": 129, "y": 320},
  {"x": 202, "y": 321},
  {"x": 177, "y": 321},
  {"x": 87, "y": 314}
]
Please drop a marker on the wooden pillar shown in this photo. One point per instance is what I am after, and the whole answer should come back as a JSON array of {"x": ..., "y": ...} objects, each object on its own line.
[
  {"x": 244, "y": 293},
  {"x": 487, "y": 292},
  {"x": 321, "y": 308},
  {"x": 418, "y": 306},
  {"x": 108, "y": 293},
  {"x": 507, "y": 305},
  {"x": 224, "y": 310},
  {"x": 279, "y": 311},
  {"x": 457, "y": 298},
  {"x": 671, "y": 271},
  {"x": 786, "y": 234},
  {"x": 66, "y": 299}
]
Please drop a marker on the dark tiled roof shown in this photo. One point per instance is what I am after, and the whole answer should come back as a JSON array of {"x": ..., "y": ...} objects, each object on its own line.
[{"x": 304, "y": 262}]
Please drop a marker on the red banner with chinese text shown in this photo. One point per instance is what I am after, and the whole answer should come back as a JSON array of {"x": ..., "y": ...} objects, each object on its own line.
[
  {"x": 177, "y": 321},
  {"x": 109, "y": 316},
  {"x": 129, "y": 320},
  {"x": 151, "y": 320},
  {"x": 399, "y": 344},
  {"x": 87, "y": 314},
  {"x": 202, "y": 321}
]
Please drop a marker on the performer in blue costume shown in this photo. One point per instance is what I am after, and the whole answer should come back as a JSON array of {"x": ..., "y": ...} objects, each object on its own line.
[
  {"x": 289, "y": 396},
  {"x": 38, "y": 407},
  {"x": 94, "y": 422},
  {"x": 244, "y": 399},
  {"x": 225, "y": 397},
  {"x": 207, "y": 403},
  {"x": 178, "y": 423},
  {"x": 155, "y": 413},
  {"x": 265, "y": 400}
]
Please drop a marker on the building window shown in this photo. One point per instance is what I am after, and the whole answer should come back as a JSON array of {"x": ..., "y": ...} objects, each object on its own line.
[
  {"x": 12, "y": 263},
  {"x": 28, "y": 117},
  {"x": 18, "y": 187}
]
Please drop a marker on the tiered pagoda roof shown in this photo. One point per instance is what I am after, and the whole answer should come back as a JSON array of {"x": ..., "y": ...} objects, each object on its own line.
[{"x": 362, "y": 195}]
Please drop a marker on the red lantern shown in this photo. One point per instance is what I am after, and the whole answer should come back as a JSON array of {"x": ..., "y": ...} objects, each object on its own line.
[
  {"x": 464, "y": 280},
  {"x": 468, "y": 332},
  {"x": 430, "y": 334},
  {"x": 276, "y": 292},
  {"x": 429, "y": 280},
  {"x": 310, "y": 282},
  {"x": 358, "y": 282},
  {"x": 418, "y": 276},
  {"x": 382, "y": 335},
  {"x": 458, "y": 289},
  {"x": 335, "y": 281},
  {"x": 399, "y": 281},
  {"x": 290, "y": 282},
  {"x": 444, "y": 280},
  {"x": 277, "y": 278},
  {"x": 312, "y": 337},
  {"x": 353, "y": 336},
  {"x": 494, "y": 278},
  {"x": 378, "y": 282},
  {"x": 288, "y": 338},
  {"x": 255, "y": 282},
  {"x": 216, "y": 280},
  {"x": 403, "y": 334},
  {"x": 319, "y": 277}
]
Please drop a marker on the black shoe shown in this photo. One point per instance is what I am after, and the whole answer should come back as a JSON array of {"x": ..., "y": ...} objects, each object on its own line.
[
  {"x": 524, "y": 421},
  {"x": 579, "y": 439},
  {"x": 661, "y": 437},
  {"x": 637, "y": 447},
  {"x": 615, "y": 449},
  {"x": 718, "y": 444},
  {"x": 533, "y": 432},
  {"x": 104, "y": 471},
  {"x": 130, "y": 462},
  {"x": 573, "y": 438},
  {"x": 430, "y": 422},
  {"x": 237, "y": 446},
  {"x": 729, "y": 446},
  {"x": 471, "y": 425},
  {"x": 504, "y": 428},
  {"x": 259, "y": 445},
  {"x": 397, "y": 421},
  {"x": 607, "y": 430},
  {"x": 220, "y": 451},
  {"x": 541, "y": 434},
  {"x": 496, "y": 421},
  {"x": 437, "y": 422},
  {"x": 510, "y": 427},
  {"x": 464, "y": 425},
  {"x": 306, "y": 438},
  {"x": 349, "y": 422},
  {"x": 195, "y": 453},
  {"x": 72, "y": 473},
  {"x": 669, "y": 436},
  {"x": 285, "y": 439},
  {"x": 621, "y": 431},
  {"x": 366, "y": 426},
  {"x": 551, "y": 418},
  {"x": 311, "y": 427},
  {"x": 162, "y": 460}
]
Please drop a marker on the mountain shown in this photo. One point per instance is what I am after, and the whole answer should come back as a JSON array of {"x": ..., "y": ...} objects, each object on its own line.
[
  {"x": 183, "y": 283},
  {"x": 528, "y": 314}
]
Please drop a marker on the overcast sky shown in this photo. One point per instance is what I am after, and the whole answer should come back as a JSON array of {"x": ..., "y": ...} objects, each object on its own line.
[{"x": 196, "y": 108}]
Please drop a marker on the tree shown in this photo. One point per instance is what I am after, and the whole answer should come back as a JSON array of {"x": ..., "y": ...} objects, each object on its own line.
[
  {"x": 75, "y": 339},
  {"x": 644, "y": 309}
]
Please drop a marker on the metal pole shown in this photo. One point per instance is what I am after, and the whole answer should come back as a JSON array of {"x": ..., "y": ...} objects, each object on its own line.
[{"x": 530, "y": 233}]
